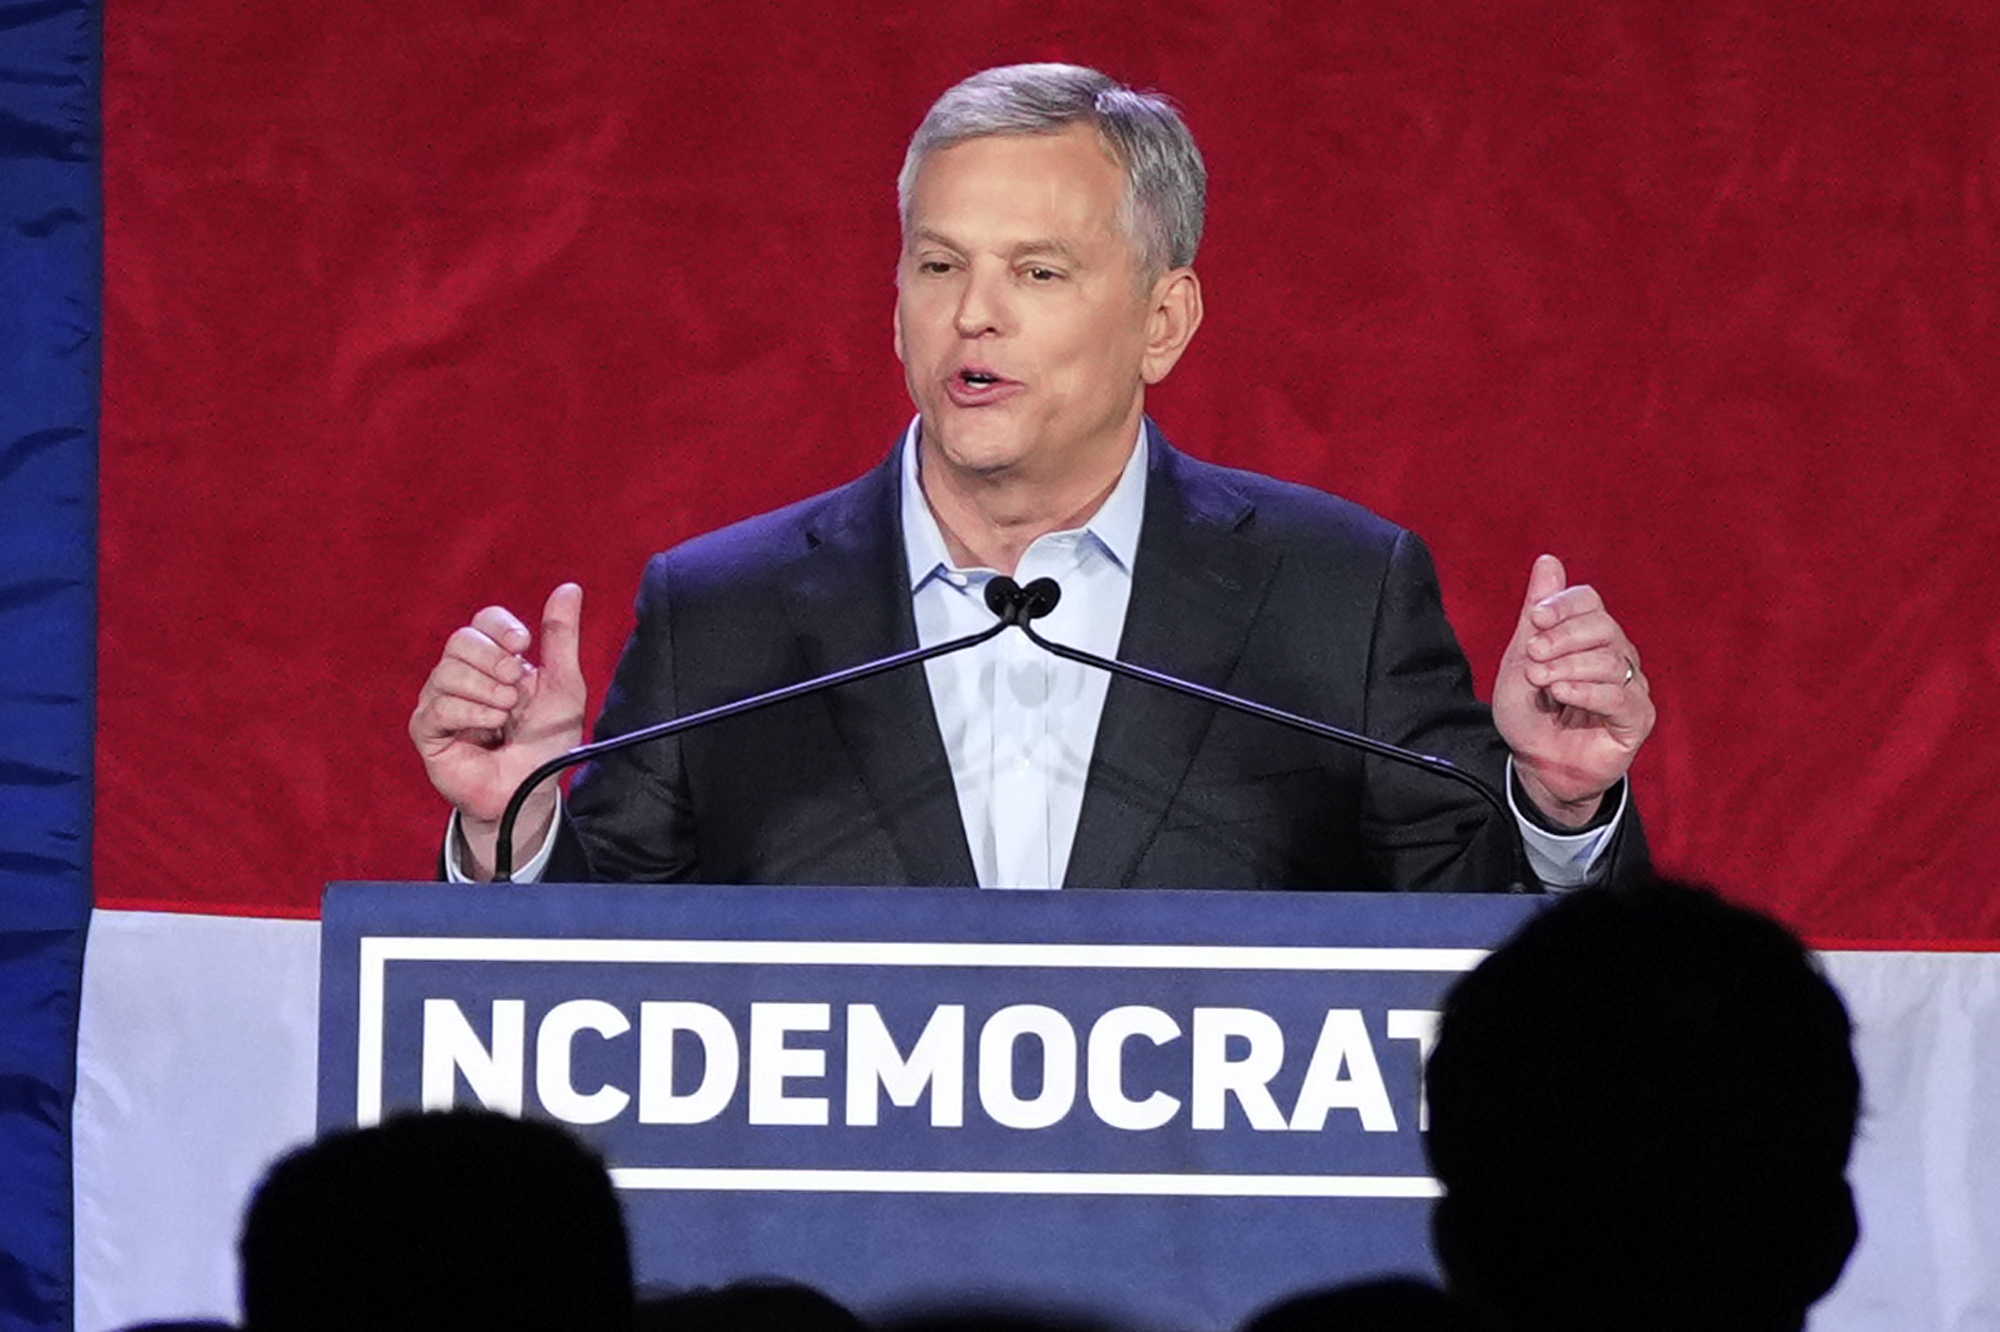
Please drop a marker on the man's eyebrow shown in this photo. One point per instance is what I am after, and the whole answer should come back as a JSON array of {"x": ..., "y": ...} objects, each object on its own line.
[
  {"x": 1027, "y": 249},
  {"x": 926, "y": 236},
  {"x": 1054, "y": 249}
]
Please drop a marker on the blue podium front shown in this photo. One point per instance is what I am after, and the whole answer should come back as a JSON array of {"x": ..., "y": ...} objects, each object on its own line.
[{"x": 1164, "y": 1108}]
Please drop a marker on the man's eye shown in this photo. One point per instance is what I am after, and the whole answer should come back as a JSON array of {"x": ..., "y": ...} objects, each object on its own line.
[
  {"x": 933, "y": 267},
  {"x": 1039, "y": 274}
]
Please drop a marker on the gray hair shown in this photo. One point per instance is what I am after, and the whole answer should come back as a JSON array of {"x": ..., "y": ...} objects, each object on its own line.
[{"x": 1166, "y": 184}]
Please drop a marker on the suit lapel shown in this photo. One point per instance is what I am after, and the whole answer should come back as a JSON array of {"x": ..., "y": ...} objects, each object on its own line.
[
  {"x": 1197, "y": 584},
  {"x": 849, "y": 602}
]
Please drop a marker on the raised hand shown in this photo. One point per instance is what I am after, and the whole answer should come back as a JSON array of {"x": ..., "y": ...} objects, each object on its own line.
[
  {"x": 1571, "y": 700},
  {"x": 488, "y": 716}
]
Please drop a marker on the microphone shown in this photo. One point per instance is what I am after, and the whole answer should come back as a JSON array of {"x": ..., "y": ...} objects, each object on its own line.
[
  {"x": 1017, "y": 606},
  {"x": 503, "y": 853}
]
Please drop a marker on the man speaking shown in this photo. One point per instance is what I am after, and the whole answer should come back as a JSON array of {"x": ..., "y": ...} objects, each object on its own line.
[{"x": 1050, "y": 221}]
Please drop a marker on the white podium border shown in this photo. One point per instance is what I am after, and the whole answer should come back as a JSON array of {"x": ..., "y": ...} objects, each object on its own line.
[{"x": 378, "y": 951}]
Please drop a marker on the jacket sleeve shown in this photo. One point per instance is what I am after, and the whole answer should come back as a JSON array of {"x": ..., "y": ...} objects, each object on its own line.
[
  {"x": 1425, "y": 832},
  {"x": 1422, "y": 831}
]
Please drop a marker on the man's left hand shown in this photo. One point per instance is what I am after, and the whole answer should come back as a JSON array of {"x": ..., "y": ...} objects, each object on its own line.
[{"x": 1570, "y": 700}]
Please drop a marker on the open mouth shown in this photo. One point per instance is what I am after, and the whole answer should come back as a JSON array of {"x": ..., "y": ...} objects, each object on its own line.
[{"x": 976, "y": 386}]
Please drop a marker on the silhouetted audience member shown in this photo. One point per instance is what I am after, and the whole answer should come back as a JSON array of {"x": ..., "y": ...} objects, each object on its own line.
[
  {"x": 1384, "y": 1304},
  {"x": 976, "y": 1314},
  {"x": 461, "y": 1220},
  {"x": 745, "y": 1306},
  {"x": 1641, "y": 1110}
]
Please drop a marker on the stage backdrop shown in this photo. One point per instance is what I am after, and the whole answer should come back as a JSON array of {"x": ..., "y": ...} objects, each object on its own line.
[
  {"x": 408, "y": 309},
  {"x": 413, "y": 309}
]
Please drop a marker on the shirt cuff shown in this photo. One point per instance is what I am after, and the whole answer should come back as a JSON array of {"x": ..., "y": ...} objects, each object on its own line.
[
  {"x": 1566, "y": 860},
  {"x": 528, "y": 871}
]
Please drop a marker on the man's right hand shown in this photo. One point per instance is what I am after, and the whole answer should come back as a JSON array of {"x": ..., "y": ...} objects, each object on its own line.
[{"x": 487, "y": 717}]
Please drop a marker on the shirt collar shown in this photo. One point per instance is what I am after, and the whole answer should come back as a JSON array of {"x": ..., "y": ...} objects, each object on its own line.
[{"x": 1114, "y": 527}]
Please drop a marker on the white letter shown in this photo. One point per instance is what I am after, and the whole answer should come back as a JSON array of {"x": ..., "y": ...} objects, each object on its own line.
[
  {"x": 1343, "y": 1039},
  {"x": 658, "y": 1021},
  {"x": 451, "y": 1046},
  {"x": 996, "y": 1066},
  {"x": 937, "y": 1060},
  {"x": 1419, "y": 1025},
  {"x": 552, "y": 1069},
  {"x": 1105, "y": 1067},
  {"x": 772, "y": 1062},
  {"x": 1217, "y": 1076}
]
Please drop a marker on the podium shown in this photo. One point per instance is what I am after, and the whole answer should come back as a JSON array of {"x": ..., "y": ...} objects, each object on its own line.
[{"x": 1167, "y": 1108}]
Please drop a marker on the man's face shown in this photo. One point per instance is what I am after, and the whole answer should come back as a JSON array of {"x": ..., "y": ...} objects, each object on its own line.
[{"x": 1020, "y": 320}]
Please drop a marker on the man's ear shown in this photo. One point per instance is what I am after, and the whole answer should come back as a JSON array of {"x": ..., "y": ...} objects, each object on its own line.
[{"x": 1174, "y": 313}]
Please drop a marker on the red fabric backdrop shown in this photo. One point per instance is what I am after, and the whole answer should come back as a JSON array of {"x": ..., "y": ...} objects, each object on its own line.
[{"x": 411, "y": 308}]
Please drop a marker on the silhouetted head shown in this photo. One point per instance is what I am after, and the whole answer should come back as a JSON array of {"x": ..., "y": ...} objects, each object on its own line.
[
  {"x": 1641, "y": 1112},
  {"x": 1384, "y": 1304},
  {"x": 442, "y": 1221},
  {"x": 745, "y": 1306},
  {"x": 983, "y": 1314}
]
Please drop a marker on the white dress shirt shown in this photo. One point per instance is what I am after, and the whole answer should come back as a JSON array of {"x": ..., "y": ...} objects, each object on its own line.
[{"x": 1019, "y": 724}]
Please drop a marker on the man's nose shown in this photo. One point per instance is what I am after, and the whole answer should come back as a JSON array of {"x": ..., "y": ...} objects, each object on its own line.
[{"x": 981, "y": 305}]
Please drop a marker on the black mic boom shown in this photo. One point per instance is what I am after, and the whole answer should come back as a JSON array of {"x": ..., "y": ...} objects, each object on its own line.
[
  {"x": 503, "y": 853},
  {"x": 1017, "y": 605}
]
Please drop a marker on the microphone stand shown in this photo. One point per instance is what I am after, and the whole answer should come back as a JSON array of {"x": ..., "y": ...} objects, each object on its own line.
[
  {"x": 1017, "y": 606},
  {"x": 503, "y": 853}
]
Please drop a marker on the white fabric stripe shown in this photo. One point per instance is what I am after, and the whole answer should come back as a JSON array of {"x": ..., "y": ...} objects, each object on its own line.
[
  {"x": 1925, "y": 1173},
  {"x": 197, "y": 1052}
]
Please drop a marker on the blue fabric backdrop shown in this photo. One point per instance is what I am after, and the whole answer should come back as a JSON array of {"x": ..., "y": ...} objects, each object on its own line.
[{"x": 49, "y": 348}]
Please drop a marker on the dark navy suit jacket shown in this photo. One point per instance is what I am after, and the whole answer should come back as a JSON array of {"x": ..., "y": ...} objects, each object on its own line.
[{"x": 1272, "y": 591}]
